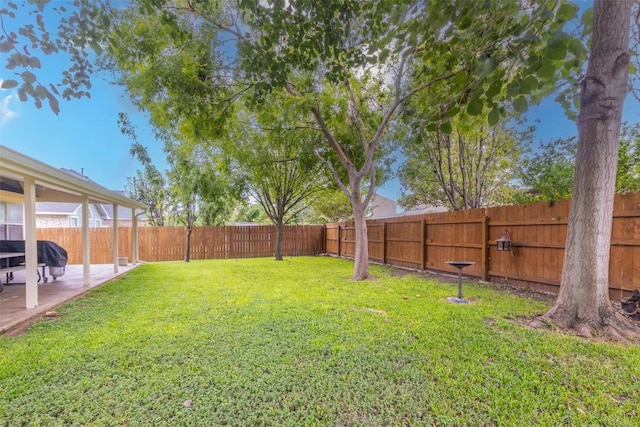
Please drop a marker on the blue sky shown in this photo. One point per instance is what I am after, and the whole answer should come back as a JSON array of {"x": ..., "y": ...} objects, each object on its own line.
[{"x": 85, "y": 135}]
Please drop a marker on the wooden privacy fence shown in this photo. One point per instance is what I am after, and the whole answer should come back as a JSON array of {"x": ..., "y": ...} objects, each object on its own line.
[
  {"x": 538, "y": 232},
  {"x": 169, "y": 243}
]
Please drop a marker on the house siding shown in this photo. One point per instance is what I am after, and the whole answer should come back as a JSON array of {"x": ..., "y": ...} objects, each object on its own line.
[{"x": 52, "y": 221}]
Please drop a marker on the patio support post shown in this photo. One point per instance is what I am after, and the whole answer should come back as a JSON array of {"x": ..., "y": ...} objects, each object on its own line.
[
  {"x": 134, "y": 237},
  {"x": 86, "y": 254},
  {"x": 31, "y": 246},
  {"x": 115, "y": 238}
]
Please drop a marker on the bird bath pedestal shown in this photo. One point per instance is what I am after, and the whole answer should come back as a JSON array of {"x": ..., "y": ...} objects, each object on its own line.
[{"x": 459, "y": 265}]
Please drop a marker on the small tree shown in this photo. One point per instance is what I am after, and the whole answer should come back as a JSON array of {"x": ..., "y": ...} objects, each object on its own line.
[
  {"x": 548, "y": 173},
  {"x": 628, "y": 175},
  {"x": 275, "y": 164},
  {"x": 467, "y": 168},
  {"x": 193, "y": 181},
  {"x": 332, "y": 205}
]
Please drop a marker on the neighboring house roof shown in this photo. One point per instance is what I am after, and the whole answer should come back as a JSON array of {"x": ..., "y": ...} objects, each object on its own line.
[
  {"x": 123, "y": 212},
  {"x": 424, "y": 209},
  {"x": 416, "y": 210},
  {"x": 56, "y": 208},
  {"x": 83, "y": 177},
  {"x": 61, "y": 208}
]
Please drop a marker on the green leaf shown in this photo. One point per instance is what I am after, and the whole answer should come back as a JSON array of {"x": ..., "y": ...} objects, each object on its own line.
[
  {"x": 493, "y": 117},
  {"x": 587, "y": 17},
  {"x": 529, "y": 84},
  {"x": 556, "y": 51},
  {"x": 9, "y": 84},
  {"x": 445, "y": 128},
  {"x": 576, "y": 102},
  {"x": 6, "y": 46},
  {"x": 513, "y": 89},
  {"x": 566, "y": 12},
  {"x": 520, "y": 104},
  {"x": 452, "y": 112},
  {"x": 41, "y": 4},
  {"x": 576, "y": 48},
  {"x": 494, "y": 89},
  {"x": 475, "y": 107},
  {"x": 547, "y": 70}
]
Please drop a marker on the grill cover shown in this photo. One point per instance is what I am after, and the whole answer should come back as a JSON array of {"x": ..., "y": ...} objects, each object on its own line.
[{"x": 49, "y": 253}]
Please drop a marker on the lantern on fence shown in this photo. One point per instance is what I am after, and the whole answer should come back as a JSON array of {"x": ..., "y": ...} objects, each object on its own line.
[{"x": 504, "y": 242}]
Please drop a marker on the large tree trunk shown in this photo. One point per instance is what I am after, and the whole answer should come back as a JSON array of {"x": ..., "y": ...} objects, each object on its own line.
[
  {"x": 279, "y": 237},
  {"x": 583, "y": 301}
]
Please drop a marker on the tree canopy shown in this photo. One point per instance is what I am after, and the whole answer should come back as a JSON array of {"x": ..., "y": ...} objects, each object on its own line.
[{"x": 352, "y": 65}]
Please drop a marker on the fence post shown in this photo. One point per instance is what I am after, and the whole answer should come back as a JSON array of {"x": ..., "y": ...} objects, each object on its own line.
[
  {"x": 384, "y": 242},
  {"x": 484, "y": 251},
  {"x": 323, "y": 248},
  {"x": 339, "y": 239},
  {"x": 423, "y": 244}
]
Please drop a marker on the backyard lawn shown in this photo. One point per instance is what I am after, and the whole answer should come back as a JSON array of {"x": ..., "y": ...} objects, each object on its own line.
[{"x": 259, "y": 342}]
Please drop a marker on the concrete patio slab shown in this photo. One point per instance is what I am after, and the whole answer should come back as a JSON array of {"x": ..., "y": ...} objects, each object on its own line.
[{"x": 50, "y": 294}]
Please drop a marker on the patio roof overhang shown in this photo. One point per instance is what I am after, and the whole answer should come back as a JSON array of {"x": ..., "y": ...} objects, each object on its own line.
[
  {"x": 26, "y": 180},
  {"x": 54, "y": 185}
]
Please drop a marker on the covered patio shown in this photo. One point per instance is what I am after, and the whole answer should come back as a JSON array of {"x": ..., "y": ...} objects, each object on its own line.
[
  {"x": 24, "y": 180},
  {"x": 51, "y": 294}
]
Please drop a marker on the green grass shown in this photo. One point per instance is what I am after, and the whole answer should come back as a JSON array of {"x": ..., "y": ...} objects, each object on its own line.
[{"x": 259, "y": 342}]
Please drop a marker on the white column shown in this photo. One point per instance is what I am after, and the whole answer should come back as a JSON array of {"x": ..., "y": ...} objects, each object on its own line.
[
  {"x": 115, "y": 238},
  {"x": 86, "y": 253},
  {"x": 134, "y": 237},
  {"x": 31, "y": 246}
]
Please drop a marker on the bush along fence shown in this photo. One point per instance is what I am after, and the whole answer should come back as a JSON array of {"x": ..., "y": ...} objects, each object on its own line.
[
  {"x": 169, "y": 243},
  {"x": 537, "y": 231}
]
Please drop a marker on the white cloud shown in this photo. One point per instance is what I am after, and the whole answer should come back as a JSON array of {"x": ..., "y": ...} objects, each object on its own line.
[{"x": 6, "y": 113}]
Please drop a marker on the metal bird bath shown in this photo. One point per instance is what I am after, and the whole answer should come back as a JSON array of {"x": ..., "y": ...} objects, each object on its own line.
[{"x": 459, "y": 265}]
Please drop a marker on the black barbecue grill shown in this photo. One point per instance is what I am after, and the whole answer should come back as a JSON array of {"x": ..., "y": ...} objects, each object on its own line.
[{"x": 50, "y": 254}]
